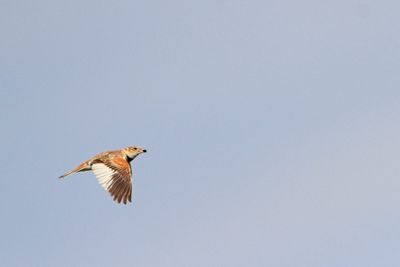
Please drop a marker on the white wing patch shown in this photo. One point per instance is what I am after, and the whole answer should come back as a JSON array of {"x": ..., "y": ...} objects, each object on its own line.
[{"x": 103, "y": 174}]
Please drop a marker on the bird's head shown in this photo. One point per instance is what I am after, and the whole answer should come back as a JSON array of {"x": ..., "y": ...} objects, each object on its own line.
[{"x": 132, "y": 152}]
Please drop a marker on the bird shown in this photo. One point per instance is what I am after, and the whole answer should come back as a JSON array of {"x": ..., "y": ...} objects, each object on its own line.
[{"x": 113, "y": 171}]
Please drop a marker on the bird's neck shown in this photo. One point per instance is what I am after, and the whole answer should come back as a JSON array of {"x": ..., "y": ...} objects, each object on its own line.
[{"x": 129, "y": 159}]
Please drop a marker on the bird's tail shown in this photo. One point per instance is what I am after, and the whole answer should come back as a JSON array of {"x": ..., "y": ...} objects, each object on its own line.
[{"x": 83, "y": 167}]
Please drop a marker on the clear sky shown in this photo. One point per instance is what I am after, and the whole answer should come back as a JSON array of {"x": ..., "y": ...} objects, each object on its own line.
[{"x": 272, "y": 130}]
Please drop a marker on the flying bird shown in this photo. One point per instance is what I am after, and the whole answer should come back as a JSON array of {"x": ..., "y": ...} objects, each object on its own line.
[{"x": 113, "y": 171}]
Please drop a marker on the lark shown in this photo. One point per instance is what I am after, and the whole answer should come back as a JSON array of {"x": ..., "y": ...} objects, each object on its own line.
[{"x": 113, "y": 171}]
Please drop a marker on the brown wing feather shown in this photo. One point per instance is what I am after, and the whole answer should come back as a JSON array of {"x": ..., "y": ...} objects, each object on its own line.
[{"x": 121, "y": 185}]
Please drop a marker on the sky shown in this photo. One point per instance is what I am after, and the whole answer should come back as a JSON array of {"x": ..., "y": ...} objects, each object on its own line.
[{"x": 272, "y": 130}]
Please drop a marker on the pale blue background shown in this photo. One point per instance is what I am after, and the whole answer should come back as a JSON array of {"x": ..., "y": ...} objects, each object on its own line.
[{"x": 272, "y": 129}]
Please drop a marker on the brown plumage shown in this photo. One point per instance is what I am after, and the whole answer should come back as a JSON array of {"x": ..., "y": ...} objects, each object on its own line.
[{"x": 113, "y": 171}]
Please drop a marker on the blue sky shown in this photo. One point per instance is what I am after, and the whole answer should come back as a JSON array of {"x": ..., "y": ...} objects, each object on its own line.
[{"x": 272, "y": 130}]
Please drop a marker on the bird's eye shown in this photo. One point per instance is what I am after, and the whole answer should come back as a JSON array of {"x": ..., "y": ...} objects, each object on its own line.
[{"x": 134, "y": 148}]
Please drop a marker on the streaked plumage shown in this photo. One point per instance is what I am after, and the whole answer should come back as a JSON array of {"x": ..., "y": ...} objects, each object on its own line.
[{"x": 113, "y": 171}]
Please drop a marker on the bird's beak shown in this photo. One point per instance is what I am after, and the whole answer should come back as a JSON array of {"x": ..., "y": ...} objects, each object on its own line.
[{"x": 144, "y": 151}]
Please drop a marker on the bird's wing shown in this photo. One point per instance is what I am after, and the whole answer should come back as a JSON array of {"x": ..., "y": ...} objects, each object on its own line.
[{"x": 115, "y": 176}]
